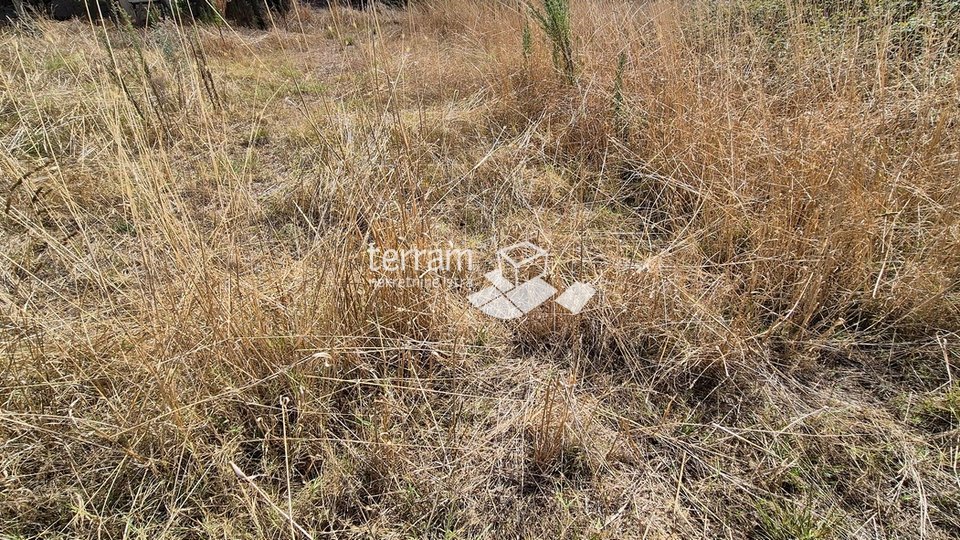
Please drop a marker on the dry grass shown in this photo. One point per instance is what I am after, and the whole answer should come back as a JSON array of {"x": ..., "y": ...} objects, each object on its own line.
[{"x": 766, "y": 198}]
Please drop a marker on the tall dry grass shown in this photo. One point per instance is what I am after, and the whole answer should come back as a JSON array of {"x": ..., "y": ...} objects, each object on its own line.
[{"x": 764, "y": 194}]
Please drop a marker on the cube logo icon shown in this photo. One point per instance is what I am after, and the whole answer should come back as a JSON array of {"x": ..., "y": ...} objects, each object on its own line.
[
  {"x": 517, "y": 286},
  {"x": 522, "y": 262}
]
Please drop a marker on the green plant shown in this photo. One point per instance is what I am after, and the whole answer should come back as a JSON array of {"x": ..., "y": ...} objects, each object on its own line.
[
  {"x": 793, "y": 522},
  {"x": 554, "y": 20},
  {"x": 618, "y": 93},
  {"x": 527, "y": 40}
]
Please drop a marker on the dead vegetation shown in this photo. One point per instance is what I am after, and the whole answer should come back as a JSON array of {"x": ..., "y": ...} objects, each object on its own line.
[{"x": 764, "y": 193}]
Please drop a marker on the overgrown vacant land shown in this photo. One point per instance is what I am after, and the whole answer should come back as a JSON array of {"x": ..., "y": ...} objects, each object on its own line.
[{"x": 764, "y": 194}]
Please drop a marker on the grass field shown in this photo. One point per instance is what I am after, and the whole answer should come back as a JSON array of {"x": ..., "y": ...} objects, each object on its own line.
[{"x": 765, "y": 194}]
